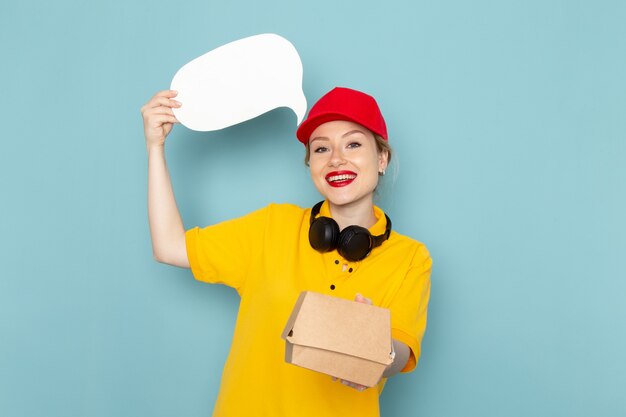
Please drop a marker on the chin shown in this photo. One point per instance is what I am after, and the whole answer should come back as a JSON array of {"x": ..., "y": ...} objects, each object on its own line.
[
  {"x": 344, "y": 195},
  {"x": 344, "y": 200}
]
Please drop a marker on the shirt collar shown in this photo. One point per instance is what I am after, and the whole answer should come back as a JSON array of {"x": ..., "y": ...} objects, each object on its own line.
[{"x": 377, "y": 229}]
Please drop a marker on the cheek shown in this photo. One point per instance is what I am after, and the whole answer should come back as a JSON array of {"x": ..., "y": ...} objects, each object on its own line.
[
  {"x": 313, "y": 166},
  {"x": 371, "y": 164},
  {"x": 315, "y": 172},
  {"x": 373, "y": 167},
  {"x": 318, "y": 183},
  {"x": 372, "y": 179}
]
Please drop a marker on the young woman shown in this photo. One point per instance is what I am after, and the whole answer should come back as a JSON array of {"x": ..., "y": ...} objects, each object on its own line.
[{"x": 343, "y": 246}]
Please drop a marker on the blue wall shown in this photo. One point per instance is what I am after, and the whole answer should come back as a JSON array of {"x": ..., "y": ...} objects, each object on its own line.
[{"x": 509, "y": 122}]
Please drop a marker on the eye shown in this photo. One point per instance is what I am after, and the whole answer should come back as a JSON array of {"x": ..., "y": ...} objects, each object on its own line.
[
  {"x": 320, "y": 149},
  {"x": 354, "y": 145}
]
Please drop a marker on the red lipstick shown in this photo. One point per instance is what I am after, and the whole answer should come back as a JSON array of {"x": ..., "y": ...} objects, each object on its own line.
[{"x": 340, "y": 178}]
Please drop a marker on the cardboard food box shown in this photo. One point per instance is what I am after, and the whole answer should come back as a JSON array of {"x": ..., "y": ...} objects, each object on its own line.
[{"x": 341, "y": 338}]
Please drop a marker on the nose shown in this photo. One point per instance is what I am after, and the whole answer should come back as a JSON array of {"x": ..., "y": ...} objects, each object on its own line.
[{"x": 336, "y": 159}]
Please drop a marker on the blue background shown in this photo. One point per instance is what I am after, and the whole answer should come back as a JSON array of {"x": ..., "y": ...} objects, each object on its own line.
[{"x": 508, "y": 122}]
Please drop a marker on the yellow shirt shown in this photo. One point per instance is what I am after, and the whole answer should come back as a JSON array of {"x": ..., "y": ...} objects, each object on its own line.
[{"x": 267, "y": 258}]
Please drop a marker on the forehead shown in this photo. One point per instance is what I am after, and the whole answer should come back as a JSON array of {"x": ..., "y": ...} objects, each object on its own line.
[{"x": 338, "y": 128}]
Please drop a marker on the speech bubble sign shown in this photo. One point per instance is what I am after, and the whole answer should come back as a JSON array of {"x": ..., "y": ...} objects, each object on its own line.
[{"x": 239, "y": 81}]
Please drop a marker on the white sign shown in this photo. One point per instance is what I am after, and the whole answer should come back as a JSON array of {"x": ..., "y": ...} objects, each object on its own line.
[{"x": 240, "y": 81}]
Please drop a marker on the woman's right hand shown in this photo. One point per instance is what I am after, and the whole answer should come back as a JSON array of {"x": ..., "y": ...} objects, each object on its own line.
[{"x": 158, "y": 117}]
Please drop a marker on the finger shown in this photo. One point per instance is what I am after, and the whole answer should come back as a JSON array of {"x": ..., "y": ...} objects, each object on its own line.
[
  {"x": 166, "y": 93},
  {"x": 151, "y": 113},
  {"x": 360, "y": 299},
  {"x": 161, "y": 119},
  {"x": 162, "y": 101},
  {"x": 161, "y": 110},
  {"x": 354, "y": 385}
]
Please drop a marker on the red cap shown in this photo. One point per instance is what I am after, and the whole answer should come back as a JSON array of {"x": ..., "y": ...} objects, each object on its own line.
[{"x": 344, "y": 104}]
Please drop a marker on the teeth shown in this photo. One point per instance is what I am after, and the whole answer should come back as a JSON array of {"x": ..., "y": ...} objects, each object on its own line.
[{"x": 343, "y": 177}]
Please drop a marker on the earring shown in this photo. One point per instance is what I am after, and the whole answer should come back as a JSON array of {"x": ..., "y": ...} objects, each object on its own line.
[{"x": 381, "y": 173}]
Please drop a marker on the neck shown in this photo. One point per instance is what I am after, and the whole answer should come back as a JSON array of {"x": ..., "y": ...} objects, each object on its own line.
[{"x": 356, "y": 213}]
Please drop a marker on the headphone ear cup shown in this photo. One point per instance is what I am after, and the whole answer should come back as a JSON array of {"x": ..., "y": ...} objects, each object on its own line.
[
  {"x": 355, "y": 243},
  {"x": 323, "y": 234}
]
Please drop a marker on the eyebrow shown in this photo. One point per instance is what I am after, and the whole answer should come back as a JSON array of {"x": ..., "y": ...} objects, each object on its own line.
[
  {"x": 353, "y": 132},
  {"x": 342, "y": 136},
  {"x": 318, "y": 138}
]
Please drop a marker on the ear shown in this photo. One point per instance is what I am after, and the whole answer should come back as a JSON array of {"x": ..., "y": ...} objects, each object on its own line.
[{"x": 383, "y": 159}]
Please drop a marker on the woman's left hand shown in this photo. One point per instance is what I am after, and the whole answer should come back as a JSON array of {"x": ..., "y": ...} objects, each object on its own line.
[{"x": 359, "y": 299}]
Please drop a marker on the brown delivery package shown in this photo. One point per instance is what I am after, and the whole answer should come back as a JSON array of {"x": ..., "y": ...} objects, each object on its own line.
[{"x": 341, "y": 338}]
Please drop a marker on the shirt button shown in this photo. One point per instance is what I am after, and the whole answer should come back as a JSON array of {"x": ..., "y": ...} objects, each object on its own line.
[
  {"x": 332, "y": 286},
  {"x": 336, "y": 261}
]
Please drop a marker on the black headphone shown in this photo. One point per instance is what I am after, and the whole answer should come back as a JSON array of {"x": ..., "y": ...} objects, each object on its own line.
[{"x": 354, "y": 243}]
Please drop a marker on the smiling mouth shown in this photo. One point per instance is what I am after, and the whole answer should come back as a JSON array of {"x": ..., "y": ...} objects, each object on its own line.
[{"x": 340, "y": 179}]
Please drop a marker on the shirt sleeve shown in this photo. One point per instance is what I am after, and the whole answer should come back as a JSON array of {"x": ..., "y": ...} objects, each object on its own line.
[
  {"x": 222, "y": 253},
  {"x": 410, "y": 306}
]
